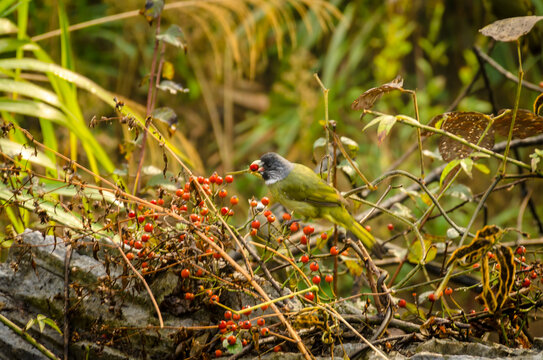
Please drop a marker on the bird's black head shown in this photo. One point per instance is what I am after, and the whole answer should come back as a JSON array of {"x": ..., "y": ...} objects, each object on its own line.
[{"x": 274, "y": 167}]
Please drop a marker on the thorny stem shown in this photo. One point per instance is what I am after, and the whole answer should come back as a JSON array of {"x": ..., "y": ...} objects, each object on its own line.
[
  {"x": 150, "y": 104},
  {"x": 515, "y": 109}
]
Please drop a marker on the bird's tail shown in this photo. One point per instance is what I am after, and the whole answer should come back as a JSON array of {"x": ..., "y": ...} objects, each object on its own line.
[{"x": 349, "y": 223}]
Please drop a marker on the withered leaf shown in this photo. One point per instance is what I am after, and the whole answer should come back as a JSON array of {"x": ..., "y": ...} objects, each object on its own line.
[
  {"x": 468, "y": 125},
  {"x": 538, "y": 104},
  {"x": 526, "y": 124},
  {"x": 369, "y": 97},
  {"x": 510, "y": 29}
]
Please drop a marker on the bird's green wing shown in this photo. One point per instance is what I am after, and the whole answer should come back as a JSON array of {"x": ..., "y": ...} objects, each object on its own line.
[{"x": 303, "y": 185}]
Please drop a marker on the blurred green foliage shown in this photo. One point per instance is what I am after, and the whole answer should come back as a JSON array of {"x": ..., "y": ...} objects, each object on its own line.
[{"x": 249, "y": 68}]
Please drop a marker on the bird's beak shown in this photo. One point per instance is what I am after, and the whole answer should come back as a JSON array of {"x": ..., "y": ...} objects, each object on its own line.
[{"x": 257, "y": 165}]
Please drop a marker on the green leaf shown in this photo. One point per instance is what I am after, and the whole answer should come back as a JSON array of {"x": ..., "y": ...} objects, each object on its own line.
[
  {"x": 467, "y": 165},
  {"x": 384, "y": 127},
  {"x": 27, "y": 153},
  {"x": 7, "y": 27},
  {"x": 402, "y": 211},
  {"x": 377, "y": 120},
  {"x": 46, "y": 321},
  {"x": 350, "y": 146},
  {"x": 450, "y": 166},
  {"x": 172, "y": 36},
  {"x": 172, "y": 87},
  {"x": 482, "y": 168},
  {"x": 233, "y": 349},
  {"x": 416, "y": 254},
  {"x": 166, "y": 115},
  {"x": 536, "y": 159}
]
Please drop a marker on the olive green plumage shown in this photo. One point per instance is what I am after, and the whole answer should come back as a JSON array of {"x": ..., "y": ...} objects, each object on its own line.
[{"x": 299, "y": 189}]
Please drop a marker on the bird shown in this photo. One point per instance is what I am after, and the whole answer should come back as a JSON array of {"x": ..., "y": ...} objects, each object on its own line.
[{"x": 299, "y": 189}]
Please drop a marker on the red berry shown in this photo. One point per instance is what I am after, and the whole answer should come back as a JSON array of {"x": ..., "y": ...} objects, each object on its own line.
[
  {"x": 244, "y": 342},
  {"x": 145, "y": 237},
  {"x": 277, "y": 348},
  {"x": 253, "y": 232},
  {"x": 490, "y": 255},
  {"x": 526, "y": 282},
  {"x": 271, "y": 218},
  {"x": 260, "y": 322},
  {"x": 314, "y": 266},
  {"x": 316, "y": 279},
  {"x": 200, "y": 179},
  {"x": 287, "y": 217},
  {"x": 217, "y": 255},
  {"x": 224, "y": 211},
  {"x": 248, "y": 312},
  {"x": 229, "y": 179},
  {"x": 303, "y": 240},
  {"x": 189, "y": 296},
  {"x": 402, "y": 303},
  {"x": 228, "y": 314},
  {"x": 255, "y": 224},
  {"x": 218, "y": 180},
  {"x": 186, "y": 196},
  {"x": 185, "y": 273},
  {"x": 254, "y": 203},
  {"x": 328, "y": 278},
  {"x": 153, "y": 202},
  {"x": 222, "y": 324},
  {"x": 141, "y": 219},
  {"x": 294, "y": 227},
  {"x": 324, "y": 236},
  {"x": 390, "y": 227},
  {"x": 223, "y": 193},
  {"x": 183, "y": 208},
  {"x": 160, "y": 202},
  {"x": 234, "y": 200},
  {"x": 214, "y": 299},
  {"x": 218, "y": 353},
  {"x": 204, "y": 211},
  {"x": 199, "y": 272},
  {"x": 368, "y": 228},
  {"x": 334, "y": 251},
  {"x": 533, "y": 275},
  {"x": 448, "y": 291},
  {"x": 236, "y": 317},
  {"x": 246, "y": 324},
  {"x": 132, "y": 214},
  {"x": 194, "y": 217},
  {"x": 432, "y": 297},
  {"x": 304, "y": 259},
  {"x": 308, "y": 230},
  {"x": 476, "y": 265},
  {"x": 130, "y": 256},
  {"x": 264, "y": 331},
  {"x": 148, "y": 227},
  {"x": 138, "y": 245},
  {"x": 179, "y": 192},
  {"x": 264, "y": 307},
  {"x": 309, "y": 296},
  {"x": 232, "y": 339},
  {"x": 521, "y": 250},
  {"x": 267, "y": 213},
  {"x": 265, "y": 201}
]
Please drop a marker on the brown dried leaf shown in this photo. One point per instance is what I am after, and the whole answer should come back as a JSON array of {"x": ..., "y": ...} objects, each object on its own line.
[
  {"x": 526, "y": 124},
  {"x": 510, "y": 29},
  {"x": 468, "y": 125},
  {"x": 538, "y": 104},
  {"x": 369, "y": 97}
]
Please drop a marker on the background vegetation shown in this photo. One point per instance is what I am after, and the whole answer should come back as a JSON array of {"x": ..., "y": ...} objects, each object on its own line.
[{"x": 242, "y": 83}]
